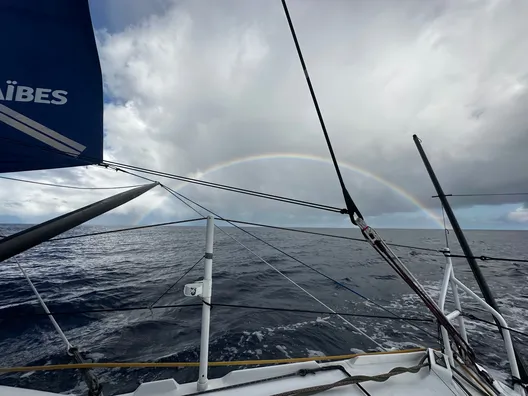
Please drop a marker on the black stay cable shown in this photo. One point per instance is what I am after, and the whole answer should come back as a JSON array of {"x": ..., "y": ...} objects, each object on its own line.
[
  {"x": 325, "y": 235},
  {"x": 351, "y": 206},
  {"x": 274, "y": 197},
  {"x": 483, "y": 195},
  {"x": 429, "y": 303},
  {"x": 357, "y": 219},
  {"x": 175, "y": 283},
  {"x": 110, "y": 164},
  {"x": 483, "y": 258},
  {"x": 487, "y": 258},
  {"x": 183, "y": 198},
  {"x": 66, "y": 186},
  {"x": 222, "y": 305},
  {"x": 125, "y": 229},
  {"x": 303, "y": 203},
  {"x": 471, "y": 316}
]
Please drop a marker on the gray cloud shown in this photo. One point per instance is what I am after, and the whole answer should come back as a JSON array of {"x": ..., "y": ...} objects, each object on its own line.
[{"x": 200, "y": 83}]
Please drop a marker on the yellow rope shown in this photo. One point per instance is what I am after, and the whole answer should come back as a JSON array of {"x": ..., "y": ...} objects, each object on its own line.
[
  {"x": 196, "y": 364},
  {"x": 475, "y": 378}
]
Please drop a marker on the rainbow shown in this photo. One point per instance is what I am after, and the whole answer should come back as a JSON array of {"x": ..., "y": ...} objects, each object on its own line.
[{"x": 308, "y": 157}]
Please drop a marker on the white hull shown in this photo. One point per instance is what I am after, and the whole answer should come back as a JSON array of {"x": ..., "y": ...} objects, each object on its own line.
[{"x": 431, "y": 380}]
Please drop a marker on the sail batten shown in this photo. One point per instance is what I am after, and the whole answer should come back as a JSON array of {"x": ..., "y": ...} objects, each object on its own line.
[{"x": 51, "y": 90}]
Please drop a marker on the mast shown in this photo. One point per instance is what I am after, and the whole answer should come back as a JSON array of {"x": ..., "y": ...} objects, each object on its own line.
[{"x": 483, "y": 285}]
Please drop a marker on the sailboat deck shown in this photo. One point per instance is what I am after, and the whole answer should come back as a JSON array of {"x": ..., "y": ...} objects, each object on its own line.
[
  {"x": 273, "y": 380},
  {"x": 421, "y": 383}
]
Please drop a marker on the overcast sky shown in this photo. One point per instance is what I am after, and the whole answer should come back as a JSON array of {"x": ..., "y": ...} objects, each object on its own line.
[{"x": 214, "y": 89}]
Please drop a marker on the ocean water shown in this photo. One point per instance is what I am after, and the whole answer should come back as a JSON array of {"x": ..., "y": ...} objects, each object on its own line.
[{"x": 134, "y": 268}]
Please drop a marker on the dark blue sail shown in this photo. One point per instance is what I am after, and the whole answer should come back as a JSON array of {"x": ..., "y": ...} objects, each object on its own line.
[{"x": 51, "y": 91}]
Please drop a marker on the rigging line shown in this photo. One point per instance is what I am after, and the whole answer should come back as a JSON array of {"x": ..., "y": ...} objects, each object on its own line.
[
  {"x": 388, "y": 255},
  {"x": 305, "y": 291},
  {"x": 257, "y": 362},
  {"x": 42, "y": 303},
  {"x": 126, "y": 229},
  {"x": 180, "y": 198},
  {"x": 106, "y": 164},
  {"x": 482, "y": 195},
  {"x": 65, "y": 186},
  {"x": 276, "y": 269},
  {"x": 91, "y": 380},
  {"x": 220, "y": 305},
  {"x": 351, "y": 206},
  {"x": 311, "y": 390},
  {"x": 178, "y": 195},
  {"x": 487, "y": 258},
  {"x": 446, "y": 231},
  {"x": 471, "y": 316},
  {"x": 130, "y": 173},
  {"x": 279, "y": 198},
  {"x": 122, "y": 167},
  {"x": 45, "y": 307},
  {"x": 175, "y": 283},
  {"x": 326, "y": 235},
  {"x": 355, "y": 216}
]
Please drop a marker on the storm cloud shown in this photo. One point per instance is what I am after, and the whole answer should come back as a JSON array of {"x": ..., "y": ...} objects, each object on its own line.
[{"x": 214, "y": 89}]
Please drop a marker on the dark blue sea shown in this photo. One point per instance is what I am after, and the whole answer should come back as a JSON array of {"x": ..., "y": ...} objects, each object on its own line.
[{"x": 134, "y": 268}]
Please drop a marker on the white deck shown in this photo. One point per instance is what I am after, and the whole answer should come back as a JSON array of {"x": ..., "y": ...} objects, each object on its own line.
[{"x": 436, "y": 380}]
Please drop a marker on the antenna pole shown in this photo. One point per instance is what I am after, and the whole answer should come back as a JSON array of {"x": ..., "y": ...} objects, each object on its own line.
[
  {"x": 483, "y": 285},
  {"x": 206, "y": 306}
]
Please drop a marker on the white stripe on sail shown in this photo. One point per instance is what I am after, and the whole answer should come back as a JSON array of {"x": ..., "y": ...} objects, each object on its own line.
[
  {"x": 79, "y": 148},
  {"x": 37, "y": 135}
]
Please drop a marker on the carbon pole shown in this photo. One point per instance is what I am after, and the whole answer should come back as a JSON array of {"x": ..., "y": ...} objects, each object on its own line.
[
  {"x": 481, "y": 281},
  {"x": 24, "y": 240},
  {"x": 349, "y": 202}
]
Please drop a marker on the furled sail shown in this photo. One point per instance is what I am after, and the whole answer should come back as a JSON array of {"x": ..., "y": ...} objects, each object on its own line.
[{"x": 51, "y": 93}]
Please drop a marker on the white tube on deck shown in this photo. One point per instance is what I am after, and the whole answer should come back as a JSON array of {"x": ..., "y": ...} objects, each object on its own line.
[
  {"x": 441, "y": 303},
  {"x": 206, "y": 309},
  {"x": 510, "y": 352},
  {"x": 45, "y": 308}
]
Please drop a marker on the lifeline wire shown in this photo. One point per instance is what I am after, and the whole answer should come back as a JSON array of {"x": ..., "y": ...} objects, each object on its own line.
[
  {"x": 125, "y": 229},
  {"x": 92, "y": 382},
  {"x": 323, "y": 234},
  {"x": 179, "y": 195},
  {"x": 471, "y": 316},
  {"x": 274, "y": 268},
  {"x": 483, "y": 258},
  {"x": 486, "y": 258},
  {"x": 122, "y": 167},
  {"x": 109, "y": 164},
  {"x": 66, "y": 186},
  {"x": 220, "y": 305},
  {"x": 175, "y": 283},
  {"x": 482, "y": 195},
  {"x": 252, "y": 307},
  {"x": 283, "y": 228},
  {"x": 44, "y": 307}
]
